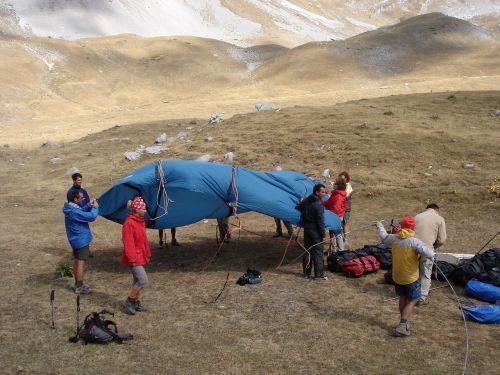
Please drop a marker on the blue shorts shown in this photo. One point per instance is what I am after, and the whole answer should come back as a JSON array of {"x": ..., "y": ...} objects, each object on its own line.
[{"x": 411, "y": 291}]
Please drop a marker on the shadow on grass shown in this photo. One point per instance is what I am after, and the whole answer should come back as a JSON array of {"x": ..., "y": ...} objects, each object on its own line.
[{"x": 201, "y": 256}]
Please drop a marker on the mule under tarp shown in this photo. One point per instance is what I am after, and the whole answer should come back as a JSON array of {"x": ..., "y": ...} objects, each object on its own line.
[{"x": 198, "y": 190}]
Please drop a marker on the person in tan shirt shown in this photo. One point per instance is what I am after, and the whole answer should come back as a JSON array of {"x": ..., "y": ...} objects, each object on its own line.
[{"x": 431, "y": 229}]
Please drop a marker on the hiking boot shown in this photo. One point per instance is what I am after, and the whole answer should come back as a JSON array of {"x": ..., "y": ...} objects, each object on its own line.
[
  {"x": 321, "y": 278},
  {"x": 129, "y": 307},
  {"x": 402, "y": 330},
  {"x": 138, "y": 307},
  {"x": 161, "y": 245},
  {"x": 175, "y": 242},
  {"x": 277, "y": 234},
  {"x": 84, "y": 289},
  {"x": 422, "y": 302}
]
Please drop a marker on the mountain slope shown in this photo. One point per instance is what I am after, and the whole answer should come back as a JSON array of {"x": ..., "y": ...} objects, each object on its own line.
[{"x": 286, "y": 22}]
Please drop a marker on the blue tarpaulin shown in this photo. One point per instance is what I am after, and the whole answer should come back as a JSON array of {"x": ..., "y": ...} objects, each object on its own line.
[{"x": 198, "y": 190}]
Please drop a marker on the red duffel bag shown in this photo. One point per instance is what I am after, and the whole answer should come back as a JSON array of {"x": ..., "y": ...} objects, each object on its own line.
[{"x": 360, "y": 266}]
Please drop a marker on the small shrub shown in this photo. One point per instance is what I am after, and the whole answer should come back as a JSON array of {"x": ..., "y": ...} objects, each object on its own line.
[
  {"x": 495, "y": 187},
  {"x": 64, "y": 270},
  {"x": 388, "y": 113}
]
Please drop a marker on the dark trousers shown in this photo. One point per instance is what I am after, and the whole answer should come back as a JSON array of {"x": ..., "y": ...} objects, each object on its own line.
[
  {"x": 279, "y": 229},
  {"x": 311, "y": 237}
]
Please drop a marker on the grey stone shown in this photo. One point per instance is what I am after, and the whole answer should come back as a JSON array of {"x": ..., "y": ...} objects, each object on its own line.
[
  {"x": 48, "y": 143},
  {"x": 204, "y": 158},
  {"x": 469, "y": 165},
  {"x": 162, "y": 138},
  {"x": 155, "y": 150},
  {"x": 72, "y": 170},
  {"x": 215, "y": 118},
  {"x": 132, "y": 155},
  {"x": 262, "y": 107}
]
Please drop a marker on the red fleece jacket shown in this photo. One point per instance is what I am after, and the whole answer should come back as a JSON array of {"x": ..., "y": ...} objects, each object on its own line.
[
  {"x": 136, "y": 251},
  {"x": 337, "y": 202}
]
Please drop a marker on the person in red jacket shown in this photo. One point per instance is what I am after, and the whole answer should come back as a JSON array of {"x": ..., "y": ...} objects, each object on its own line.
[
  {"x": 136, "y": 252},
  {"x": 337, "y": 204}
]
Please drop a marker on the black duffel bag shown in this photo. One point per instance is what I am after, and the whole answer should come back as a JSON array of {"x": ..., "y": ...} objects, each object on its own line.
[
  {"x": 444, "y": 267},
  {"x": 382, "y": 253},
  {"x": 491, "y": 277},
  {"x": 490, "y": 259},
  {"x": 470, "y": 269}
]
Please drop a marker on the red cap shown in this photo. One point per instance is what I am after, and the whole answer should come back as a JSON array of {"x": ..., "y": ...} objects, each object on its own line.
[
  {"x": 138, "y": 204},
  {"x": 408, "y": 222}
]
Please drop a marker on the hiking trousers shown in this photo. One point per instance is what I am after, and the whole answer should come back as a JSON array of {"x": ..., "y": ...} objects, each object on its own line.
[
  {"x": 425, "y": 275},
  {"x": 311, "y": 237}
]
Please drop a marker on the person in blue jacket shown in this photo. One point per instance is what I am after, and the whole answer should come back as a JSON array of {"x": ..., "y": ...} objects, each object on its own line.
[{"x": 76, "y": 220}]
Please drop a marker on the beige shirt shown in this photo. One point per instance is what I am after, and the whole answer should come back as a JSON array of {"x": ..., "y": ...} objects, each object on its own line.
[{"x": 430, "y": 228}]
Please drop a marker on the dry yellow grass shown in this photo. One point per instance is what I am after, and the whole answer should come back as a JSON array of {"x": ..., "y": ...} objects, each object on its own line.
[{"x": 285, "y": 324}]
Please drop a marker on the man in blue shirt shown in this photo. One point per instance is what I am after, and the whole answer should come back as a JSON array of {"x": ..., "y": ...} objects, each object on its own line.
[
  {"x": 77, "y": 185},
  {"x": 76, "y": 220}
]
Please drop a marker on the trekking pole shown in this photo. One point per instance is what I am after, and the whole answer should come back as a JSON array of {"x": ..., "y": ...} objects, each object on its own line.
[
  {"x": 364, "y": 226},
  {"x": 75, "y": 337},
  {"x": 438, "y": 287},
  {"x": 487, "y": 243},
  {"x": 52, "y": 297}
]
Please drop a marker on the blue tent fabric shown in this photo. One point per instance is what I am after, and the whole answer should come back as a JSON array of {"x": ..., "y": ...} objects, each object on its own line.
[
  {"x": 199, "y": 190},
  {"x": 487, "y": 314},
  {"x": 483, "y": 291}
]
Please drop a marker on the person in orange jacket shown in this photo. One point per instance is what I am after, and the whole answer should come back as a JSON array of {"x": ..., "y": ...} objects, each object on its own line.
[{"x": 136, "y": 252}]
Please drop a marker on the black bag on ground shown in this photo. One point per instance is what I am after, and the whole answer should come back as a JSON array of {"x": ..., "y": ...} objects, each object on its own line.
[
  {"x": 98, "y": 330},
  {"x": 490, "y": 259},
  {"x": 382, "y": 253},
  {"x": 469, "y": 269},
  {"x": 491, "y": 277},
  {"x": 337, "y": 260},
  {"x": 444, "y": 267},
  {"x": 250, "y": 277}
]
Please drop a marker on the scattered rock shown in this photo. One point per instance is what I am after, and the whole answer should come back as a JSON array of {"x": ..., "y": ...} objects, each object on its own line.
[
  {"x": 132, "y": 155},
  {"x": 189, "y": 128},
  {"x": 72, "y": 170},
  {"x": 192, "y": 122},
  {"x": 326, "y": 173},
  {"x": 427, "y": 174},
  {"x": 451, "y": 97},
  {"x": 75, "y": 142},
  {"x": 204, "y": 158},
  {"x": 278, "y": 168},
  {"x": 114, "y": 139},
  {"x": 229, "y": 156},
  {"x": 215, "y": 118},
  {"x": 497, "y": 112},
  {"x": 263, "y": 107},
  {"x": 155, "y": 150},
  {"x": 118, "y": 125},
  {"x": 6, "y": 146},
  {"x": 383, "y": 87},
  {"x": 469, "y": 165},
  {"x": 209, "y": 138},
  {"x": 181, "y": 136},
  {"x": 55, "y": 159},
  {"x": 455, "y": 140},
  {"x": 162, "y": 138},
  {"x": 48, "y": 143},
  {"x": 363, "y": 126}
]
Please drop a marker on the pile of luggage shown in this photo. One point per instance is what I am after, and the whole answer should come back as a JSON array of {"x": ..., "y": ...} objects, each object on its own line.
[{"x": 362, "y": 261}]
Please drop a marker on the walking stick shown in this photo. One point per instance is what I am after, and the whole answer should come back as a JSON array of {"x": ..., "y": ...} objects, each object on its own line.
[
  {"x": 52, "y": 297},
  {"x": 75, "y": 337},
  {"x": 486, "y": 244}
]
